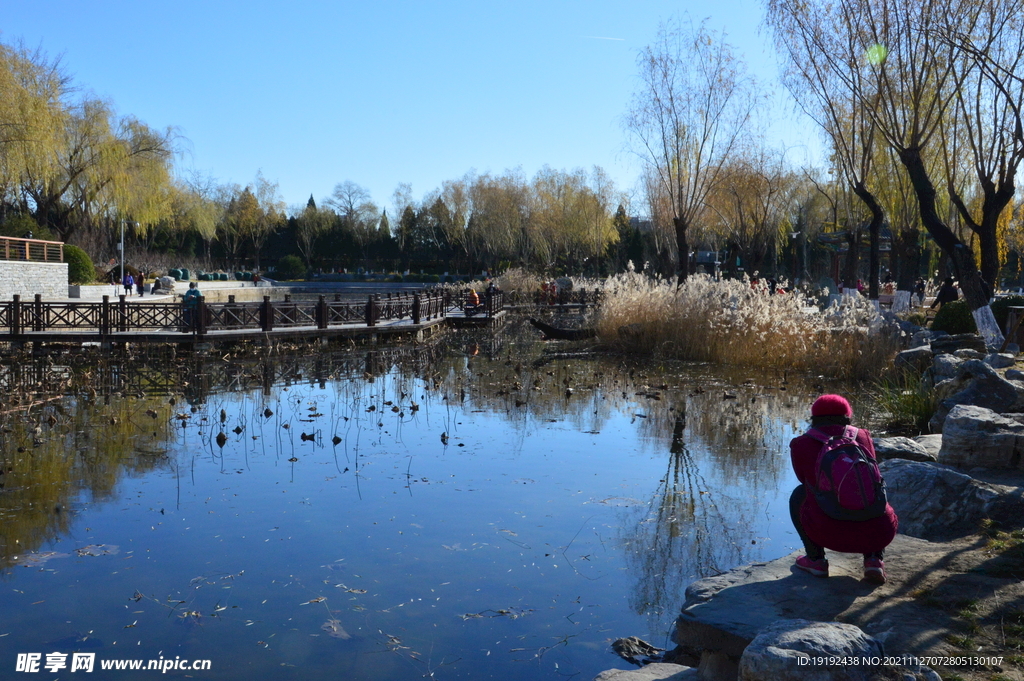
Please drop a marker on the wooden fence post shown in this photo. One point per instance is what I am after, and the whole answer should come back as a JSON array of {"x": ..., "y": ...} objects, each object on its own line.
[
  {"x": 16, "y": 315},
  {"x": 122, "y": 313},
  {"x": 37, "y": 313},
  {"x": 267, "y": 314},
  {"x": 201, "y": 319},
  {"x": 321, "y": 313},
  {"x": 416, "y": 309},
  {"x": 105, "y": 316}
]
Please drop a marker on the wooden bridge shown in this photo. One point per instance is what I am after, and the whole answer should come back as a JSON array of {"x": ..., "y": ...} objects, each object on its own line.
[{"x": 116, "y": 321}]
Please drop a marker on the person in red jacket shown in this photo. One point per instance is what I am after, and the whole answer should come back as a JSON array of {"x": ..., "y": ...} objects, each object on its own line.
[{"x": 831, "y": 414}]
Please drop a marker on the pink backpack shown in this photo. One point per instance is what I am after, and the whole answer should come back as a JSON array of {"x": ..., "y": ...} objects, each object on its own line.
[{"x": 847, "y": 483}]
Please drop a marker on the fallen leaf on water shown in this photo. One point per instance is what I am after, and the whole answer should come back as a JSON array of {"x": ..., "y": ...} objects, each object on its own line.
[
  {"x": 319, "y": 599},
  {"x": 97, "y": 550},
  {"x": 335, "y": 630},
  {"x": 37, "y": 559}
]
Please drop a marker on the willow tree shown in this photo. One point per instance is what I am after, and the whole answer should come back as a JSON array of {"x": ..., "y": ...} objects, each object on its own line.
[
  {"x": 32, "y": 119},
  {"x": 984, "y": 124},
  {"x": 686, "y": 119},
  {"x": 499, "y": 225},
  {"x": 753, "y": 206},
  {"x": 826, "y": 73},
  {"x": 573, "y": 213},
  {"x": 910, "y": 72}
]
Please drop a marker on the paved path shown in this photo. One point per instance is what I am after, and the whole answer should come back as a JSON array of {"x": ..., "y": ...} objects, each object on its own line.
[{"x": 93, "y": 293}]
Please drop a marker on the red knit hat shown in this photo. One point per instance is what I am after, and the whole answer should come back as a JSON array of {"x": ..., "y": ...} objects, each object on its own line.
[{"x": 831, "y": 405}]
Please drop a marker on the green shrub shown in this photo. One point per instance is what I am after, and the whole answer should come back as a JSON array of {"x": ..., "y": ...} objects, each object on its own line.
[
  {"x": 954, "y": 318},
  {"x": 80, "y": 267},
  {"x": 906, "y": 401},
  {"x": 291, "y": 267},
  {"x": 1000, "y": 309},
  {"x": 918, "y": 318}
]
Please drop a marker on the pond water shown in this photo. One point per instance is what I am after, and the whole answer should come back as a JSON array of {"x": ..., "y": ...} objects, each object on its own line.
[{"x": 481, "y": 508}]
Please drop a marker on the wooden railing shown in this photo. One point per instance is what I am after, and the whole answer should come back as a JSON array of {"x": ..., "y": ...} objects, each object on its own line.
[
  {"x": 490, "y": 304},
  {"x": 33, "y": 250},
  {"x": 18, "y": 317}
]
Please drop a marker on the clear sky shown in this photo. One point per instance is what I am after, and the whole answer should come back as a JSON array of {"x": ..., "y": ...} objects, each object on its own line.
[{"x": 379, "y": 92}]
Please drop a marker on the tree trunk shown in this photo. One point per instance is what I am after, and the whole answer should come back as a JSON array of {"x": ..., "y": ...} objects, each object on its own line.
[
  {"x": 993, "y": 204},
  {"x": 963, "y": 258},
  {"x": 874, "y": 229},
  {"x": 683, "y": 248}
]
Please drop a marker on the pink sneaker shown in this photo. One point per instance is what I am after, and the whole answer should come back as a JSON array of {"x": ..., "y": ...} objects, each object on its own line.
[
  {"x": 874, "y": 571},
  {"x": 818, "y": 568}
]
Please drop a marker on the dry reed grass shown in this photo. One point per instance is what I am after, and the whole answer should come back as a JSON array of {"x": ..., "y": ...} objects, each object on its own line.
[
  {"x": 518, "y": 280},
  {"x": 731, "y": 322}
]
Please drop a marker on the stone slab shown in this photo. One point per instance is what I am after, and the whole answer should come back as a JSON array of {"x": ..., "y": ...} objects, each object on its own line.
[
  {"x": 723, "y": 614},
  {"x": 652, "y": 672}
]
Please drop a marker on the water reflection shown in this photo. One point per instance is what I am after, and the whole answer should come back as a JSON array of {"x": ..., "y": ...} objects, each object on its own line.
[
  {"x": 482, "y": 506},
  {"x": 58, "y": 455}
]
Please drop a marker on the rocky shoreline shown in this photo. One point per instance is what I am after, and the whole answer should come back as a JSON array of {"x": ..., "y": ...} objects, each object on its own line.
[{"x": 954, "y": 588}]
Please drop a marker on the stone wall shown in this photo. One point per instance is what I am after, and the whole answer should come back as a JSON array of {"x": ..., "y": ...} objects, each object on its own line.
[{"x": 26, "y": 279}]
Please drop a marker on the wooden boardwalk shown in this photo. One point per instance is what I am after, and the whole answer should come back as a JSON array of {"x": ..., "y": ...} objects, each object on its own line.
[{"x": 112, "y": 322}]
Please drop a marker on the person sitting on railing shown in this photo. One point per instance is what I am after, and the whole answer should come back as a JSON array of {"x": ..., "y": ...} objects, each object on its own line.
[{"x": 472, "y": 303}]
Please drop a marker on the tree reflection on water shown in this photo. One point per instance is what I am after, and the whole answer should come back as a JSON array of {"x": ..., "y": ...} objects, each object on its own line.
[{"x": 695, "y": 524}]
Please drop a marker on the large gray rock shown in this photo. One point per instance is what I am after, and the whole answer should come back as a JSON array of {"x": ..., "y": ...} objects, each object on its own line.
[
  {"x": 974, "y": 436},
  {"x": 958, "y": 342},
  {"x": 976, "y": 383},
  {"x": 723, "y": 614},
  {"x": 652, "y": 672},
  {"x": 901, "y": 448},
  {"x": 1000, "y": 360},
  {"x": 784, "y": 651},
  {"x": 936, "y": 503},
  {"x": 945, "y": 366},
  {"x": 925, "y": 337},
  {"x": 164, "y": 284},
  {"x": 931, "y": 444},
  {"x": 918, "y": 359}
]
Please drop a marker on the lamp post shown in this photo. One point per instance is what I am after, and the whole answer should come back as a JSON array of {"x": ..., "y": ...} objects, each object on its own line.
[
  {"x": 121, "y": 258},
  {"x": 793, "y": 236}
]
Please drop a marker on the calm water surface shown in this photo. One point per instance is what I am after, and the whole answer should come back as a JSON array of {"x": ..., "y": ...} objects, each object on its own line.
[{"x": 498, "y": 509}]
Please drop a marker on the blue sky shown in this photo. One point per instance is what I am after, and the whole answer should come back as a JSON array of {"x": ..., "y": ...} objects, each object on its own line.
[{"x": 378, "y": 92}]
